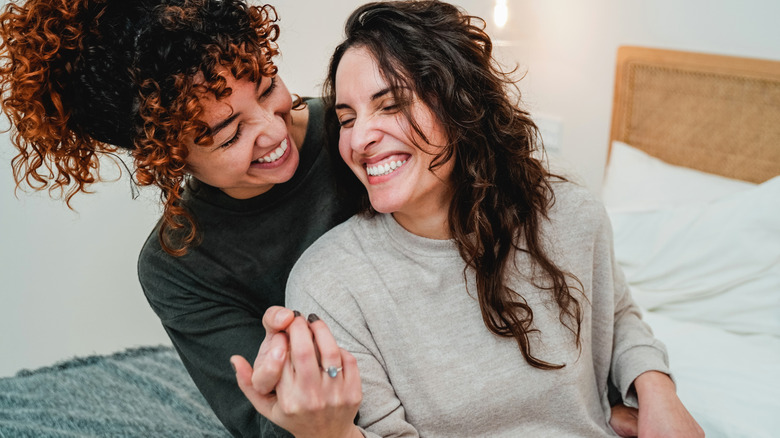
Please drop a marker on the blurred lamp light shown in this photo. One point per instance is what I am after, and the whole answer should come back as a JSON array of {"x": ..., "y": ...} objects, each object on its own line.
[{"x": 500, "y": 13}]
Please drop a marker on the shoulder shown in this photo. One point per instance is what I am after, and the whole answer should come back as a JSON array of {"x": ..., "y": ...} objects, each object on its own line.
[
  {"x": 315, "y": 119},
  {"x": 577, "y": 215},
  {"x": 575, "y": 202},
  {"x": 315, "y": 152},
  {"x": 570, "y": 195},
  {"x": 156, "y": 272},
  {"x": 151, "y": 257},
  {"x": 340, "y": 244},
  {"x": 335, "y": 258},
  {"x": 169, "y": 281},
  {"x": 316, "y": 107}
]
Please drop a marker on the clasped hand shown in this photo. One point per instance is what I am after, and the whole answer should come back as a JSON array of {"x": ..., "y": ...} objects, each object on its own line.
[{"x": 290, "y": 384}]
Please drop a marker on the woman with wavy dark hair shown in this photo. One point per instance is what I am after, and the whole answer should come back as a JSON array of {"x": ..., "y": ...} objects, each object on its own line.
[
  {"x": 477, "y": 293},
  {"x": 188, "y": 89}
]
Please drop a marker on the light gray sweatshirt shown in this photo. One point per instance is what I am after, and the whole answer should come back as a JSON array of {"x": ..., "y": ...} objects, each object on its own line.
[{"x": 430, "y": 367}]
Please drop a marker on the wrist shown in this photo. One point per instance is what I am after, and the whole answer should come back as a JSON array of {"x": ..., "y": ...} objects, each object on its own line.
[
  {"x": 352, "y": 432},
  {"x": 355, "y": 432},
  {"x": 652, "y": 385}
]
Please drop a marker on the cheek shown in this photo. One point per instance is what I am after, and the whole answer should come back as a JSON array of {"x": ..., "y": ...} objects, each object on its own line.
[
  {"x": 284, "y": 96},
  {"x": 344, "y": 150},
  {"x": 285, "y": 103}
]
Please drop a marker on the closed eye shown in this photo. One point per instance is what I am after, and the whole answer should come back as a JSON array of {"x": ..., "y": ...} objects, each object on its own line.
[
  {"x": 389, "y": 104},
  {"x": 235, "y": 138},
  {"x": 268, "y": 90},
  {"x": 346, "y": 122}
]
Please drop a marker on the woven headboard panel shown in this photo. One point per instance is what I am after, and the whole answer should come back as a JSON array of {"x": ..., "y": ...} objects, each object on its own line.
[{"x": 718, "y": 114}]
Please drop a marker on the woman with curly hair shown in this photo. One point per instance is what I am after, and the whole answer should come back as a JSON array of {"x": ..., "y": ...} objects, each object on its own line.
[
  {"x": 476, "y": 294},
  {"x": 189, "y": 89}
]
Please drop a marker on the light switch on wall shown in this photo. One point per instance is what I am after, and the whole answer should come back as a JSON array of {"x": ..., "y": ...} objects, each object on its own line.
[{"x": 551, "y": 130}]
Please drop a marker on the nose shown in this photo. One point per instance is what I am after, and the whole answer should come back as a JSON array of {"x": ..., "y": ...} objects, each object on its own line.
[
  {"x": 365, "y": 133},
  {"x": 271, "y": 126}
]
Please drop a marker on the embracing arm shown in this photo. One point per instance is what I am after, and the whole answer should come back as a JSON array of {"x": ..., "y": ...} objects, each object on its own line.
[
  {"x": 206, "y": 357},
  {"x": 640, "y": 365},
  {"x": 661, "y": 413},
  {"x": 205, "y": 334}
]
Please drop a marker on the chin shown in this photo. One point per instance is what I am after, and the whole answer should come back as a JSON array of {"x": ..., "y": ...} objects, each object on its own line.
[
  {"x": 379, "y": 209},
  {"x": 290, "y": 167},
  {"x": 385, "y": 205}
]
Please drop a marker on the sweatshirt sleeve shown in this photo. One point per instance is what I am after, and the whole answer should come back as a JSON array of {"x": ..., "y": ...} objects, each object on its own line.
[
  {"x": 205, "y": 334},
  {"x": 312, "y": 288},
  {"x": 635, "y": 349}
]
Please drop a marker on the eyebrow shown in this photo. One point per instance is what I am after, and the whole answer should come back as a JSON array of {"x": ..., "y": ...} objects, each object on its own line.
[
  {"x": 374, "y": 96},
  {"x": 225, "y": 123}
]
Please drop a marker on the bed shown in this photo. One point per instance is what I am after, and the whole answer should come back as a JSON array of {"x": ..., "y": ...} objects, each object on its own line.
[
  {"x": 693, "y": 193},
  {"x": 139, "y": 392}
]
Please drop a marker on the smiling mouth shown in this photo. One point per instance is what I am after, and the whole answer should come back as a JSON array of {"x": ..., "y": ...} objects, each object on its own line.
[
  {"x": 385, "y": 168},
  {"x": 274, "y": 155}
]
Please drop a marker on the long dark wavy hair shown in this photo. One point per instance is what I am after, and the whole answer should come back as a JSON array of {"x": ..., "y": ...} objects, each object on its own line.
[
  {"x": 502, "y": 192},
  {"x": 81, "y": 78}
]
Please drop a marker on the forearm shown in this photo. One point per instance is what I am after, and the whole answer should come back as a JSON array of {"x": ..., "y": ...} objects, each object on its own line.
[
  {"x": 652, "y": 386},
  {"x": 217, "y": 384},
  {"x": 661, "y": 412},
  {"x": 205, "y": 343},
  {"x": 636, "y": 351}
]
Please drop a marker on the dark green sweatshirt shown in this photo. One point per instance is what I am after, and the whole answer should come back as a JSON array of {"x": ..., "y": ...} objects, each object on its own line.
[{"x": 211, "y": 301}]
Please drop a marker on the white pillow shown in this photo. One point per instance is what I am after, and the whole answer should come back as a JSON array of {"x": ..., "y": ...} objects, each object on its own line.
[
  {"x": 636, "y": 181},
  {"x": 716, "y": 263}
]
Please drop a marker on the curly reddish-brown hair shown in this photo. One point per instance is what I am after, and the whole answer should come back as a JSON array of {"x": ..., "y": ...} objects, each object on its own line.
[{"x": 82, "y": 78}]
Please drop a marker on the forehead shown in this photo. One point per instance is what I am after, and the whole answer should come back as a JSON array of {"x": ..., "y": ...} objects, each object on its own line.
[
  {"x": 215, "y": 109},
  {"x": 358, "y": 69}
]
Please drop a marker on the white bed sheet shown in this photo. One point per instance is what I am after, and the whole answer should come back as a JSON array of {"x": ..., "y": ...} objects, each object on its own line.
[
  {"x": 701, "y": 254},
  {"x": 730, "y": 383}
]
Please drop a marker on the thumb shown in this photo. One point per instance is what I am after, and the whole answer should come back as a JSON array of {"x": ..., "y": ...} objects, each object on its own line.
[{"x": 262, "y": 403}]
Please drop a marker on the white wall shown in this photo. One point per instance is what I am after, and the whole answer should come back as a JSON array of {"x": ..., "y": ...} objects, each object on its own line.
[
  {"x": 67, "y": 280},
  {"x": 569, "y": 49}
]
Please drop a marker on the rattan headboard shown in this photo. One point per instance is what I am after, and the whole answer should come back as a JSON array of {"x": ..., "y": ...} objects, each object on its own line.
[{"x": 718, "y": 114}]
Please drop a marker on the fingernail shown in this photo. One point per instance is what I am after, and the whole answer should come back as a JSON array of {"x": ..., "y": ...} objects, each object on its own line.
[
  {"x": 296, "y": 313},
  {"x": 234, "y": 367},
  {"x": 277, "y": 353},
  {"x": 312, "y": 317}
]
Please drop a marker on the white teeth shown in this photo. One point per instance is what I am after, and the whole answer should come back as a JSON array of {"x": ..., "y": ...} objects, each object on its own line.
[
  {"x": 384, "y": 169},
  {"x": 276, "y": 154}
]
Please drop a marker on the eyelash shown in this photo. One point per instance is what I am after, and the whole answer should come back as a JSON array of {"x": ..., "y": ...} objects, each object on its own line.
[
  {"x": 237, "y": 136},
  {"x": 392, "y": 108},
  {"x": 270, "y": 89}
]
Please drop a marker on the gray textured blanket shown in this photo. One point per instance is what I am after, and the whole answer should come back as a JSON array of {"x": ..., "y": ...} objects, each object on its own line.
[{"x": 142, "y": 392}]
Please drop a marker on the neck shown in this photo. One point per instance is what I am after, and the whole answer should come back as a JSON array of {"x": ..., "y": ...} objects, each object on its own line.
[{"x": 432, "y": 222}]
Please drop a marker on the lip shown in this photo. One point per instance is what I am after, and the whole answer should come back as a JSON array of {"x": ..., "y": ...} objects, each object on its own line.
[
  {"x": 379, "y": 179},
  {"x": 280, "y": 161},
  {"x": 400, "y": 156}
]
